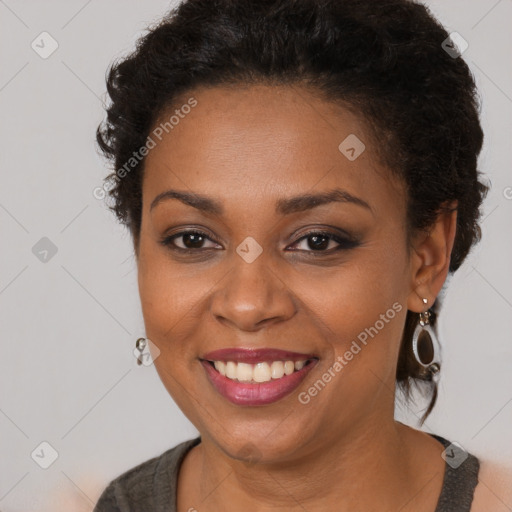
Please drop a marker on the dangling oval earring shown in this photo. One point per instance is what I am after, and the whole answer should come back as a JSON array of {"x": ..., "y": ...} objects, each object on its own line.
[
  {"x": 425, "y": 347},
  {"x": 140, "y": 345}
]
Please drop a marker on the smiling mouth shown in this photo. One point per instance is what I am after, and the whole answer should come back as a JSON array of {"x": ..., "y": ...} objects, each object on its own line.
[
  {"x": 259, "y": 383},
  {"x": 257, "y": 373}
]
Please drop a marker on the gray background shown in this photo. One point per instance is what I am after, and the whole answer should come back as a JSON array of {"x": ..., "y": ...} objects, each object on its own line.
[{"x": 68, "y": 324}]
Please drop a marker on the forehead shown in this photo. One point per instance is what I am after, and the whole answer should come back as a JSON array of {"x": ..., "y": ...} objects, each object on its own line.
[{"x": 264, "y": 142}]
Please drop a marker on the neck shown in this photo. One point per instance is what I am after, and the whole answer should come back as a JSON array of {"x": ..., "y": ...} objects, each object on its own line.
[{"x": 369, "y": 468}]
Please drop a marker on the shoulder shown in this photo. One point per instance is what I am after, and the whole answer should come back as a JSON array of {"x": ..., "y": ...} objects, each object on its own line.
[
  {"x": 147, "y": 486},
  {"x": 460, "y": 478},
  {"x": 494, "y": 489},
  {"x": 484, "y": 485}
]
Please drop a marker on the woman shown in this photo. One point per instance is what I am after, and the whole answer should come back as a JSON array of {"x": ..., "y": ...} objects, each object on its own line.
[{"x": 299, "y": 178}]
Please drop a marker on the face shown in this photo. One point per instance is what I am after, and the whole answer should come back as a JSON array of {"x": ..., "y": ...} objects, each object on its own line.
[{"x": 325, "y": 279}]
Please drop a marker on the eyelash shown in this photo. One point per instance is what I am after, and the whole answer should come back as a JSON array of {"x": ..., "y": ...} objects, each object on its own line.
[{"x": 344, "y": 243}]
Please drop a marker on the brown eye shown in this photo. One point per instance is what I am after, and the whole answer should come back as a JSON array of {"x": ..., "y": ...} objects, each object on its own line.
[
  {"x": 319, "y": 241},
  {"x": 191, "y": 240}
]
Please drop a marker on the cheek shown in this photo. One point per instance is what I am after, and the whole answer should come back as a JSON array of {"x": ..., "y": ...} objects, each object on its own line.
[
  {"x": 167, "y": 300},
  {"x": 361, "y": 306},
  {"x": 165, "y": 291},
  {"x": 167, "y": 296}
]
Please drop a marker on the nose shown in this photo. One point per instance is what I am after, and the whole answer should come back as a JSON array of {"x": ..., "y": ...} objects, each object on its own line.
[{"x": 252, "y": 296}]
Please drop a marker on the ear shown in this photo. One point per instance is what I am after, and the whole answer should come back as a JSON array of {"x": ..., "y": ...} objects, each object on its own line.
[{"x": 430, "y": 259}]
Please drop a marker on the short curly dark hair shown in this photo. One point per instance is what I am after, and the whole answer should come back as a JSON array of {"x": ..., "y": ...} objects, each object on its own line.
[{"x": 383, "y": 60}]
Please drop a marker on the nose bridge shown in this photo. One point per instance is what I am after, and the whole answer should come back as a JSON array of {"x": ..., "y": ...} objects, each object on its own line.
[{"x": 252, "y": 292}]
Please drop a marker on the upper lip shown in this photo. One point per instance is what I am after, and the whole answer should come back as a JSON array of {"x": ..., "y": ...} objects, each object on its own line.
[{"x": 255, "y": 355}]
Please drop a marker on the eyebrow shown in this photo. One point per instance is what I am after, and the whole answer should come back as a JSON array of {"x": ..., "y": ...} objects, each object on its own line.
[{"x": 284, "y": 206}]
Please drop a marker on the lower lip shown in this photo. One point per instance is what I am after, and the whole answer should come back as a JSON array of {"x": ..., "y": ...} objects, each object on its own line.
[{"x": 240, "y": 393}]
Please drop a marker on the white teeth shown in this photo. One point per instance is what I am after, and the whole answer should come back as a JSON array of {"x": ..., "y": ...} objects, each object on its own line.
[
  {"x": 299, "y": 365},
  {"x": 277, "y": 369},
  {"x": 244, "y": 372},
  {"x": 220, "y": 366},
  {"x": 289, "y": 367},
  {"x": 231, "y": 370},
  {"x": 259, "y": 372}
]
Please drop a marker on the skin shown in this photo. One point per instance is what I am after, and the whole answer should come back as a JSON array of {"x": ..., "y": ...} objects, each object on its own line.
[{"x": 248, "y": 147}]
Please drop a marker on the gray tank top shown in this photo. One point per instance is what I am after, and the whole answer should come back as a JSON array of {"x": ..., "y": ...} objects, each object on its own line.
[{"x": 151, "y": 486}]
